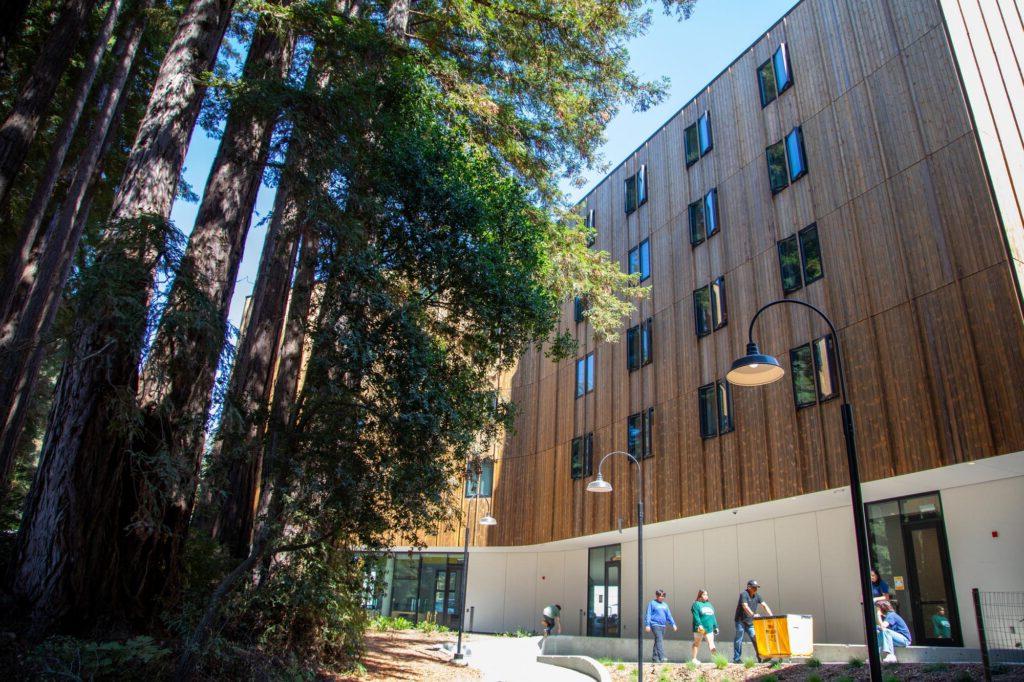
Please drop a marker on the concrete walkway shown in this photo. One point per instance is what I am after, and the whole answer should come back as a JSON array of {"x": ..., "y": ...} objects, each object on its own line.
[{"x": 514, "y": 659}]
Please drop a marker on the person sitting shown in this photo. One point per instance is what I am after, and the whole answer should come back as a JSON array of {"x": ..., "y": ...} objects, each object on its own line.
[
  {"x": 892, "y": 631},
  {"x": 879, "y": 588}
]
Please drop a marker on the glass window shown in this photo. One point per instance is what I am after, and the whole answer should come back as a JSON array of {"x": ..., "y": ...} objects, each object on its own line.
[
  {"x": 780, "y": 63},
  {"x": 633, "y": 348},
  {"x": 778, "y": 174},
  {"x": 646, "y": 349},
  {"x": 795, "y": 154},
  {"x": 640, "y": 260},
  {"x": 810, "y": 254},
  {"x": 591, "y": 228},
  {"x": 708, "y": 406},
  {"x": 692, "y": 143},
  {"x": 789, "y": 264},
  {"x": 648, "y": 441},
  {"x": 631, "y": 194},
  {"x": 766, "y": 83},
  {"x": 697, "y": 229},
  {"x": 479, "y": 483},
  {"x": 582, "y": 456},
  {"x": 634, "y": 429},
  {"x": 711, "y": 212},
  {"x": 603, "y": 578},
  {"x": 707, "y": 142},
  {"x": 725, "y": 424},
  {"x": 580, "y": 306},
  {"x": 641, "y": 186},
  {"x": 584, "y": 375},
  {"x": 825, "y": 367},
  {"x": 702, "y": 311},
  {"x": 633, "y": 264},
  {"x": 718, "y": 314},
  {"x": 802, "y": 368},
  {"x": 590, "y": 372}
]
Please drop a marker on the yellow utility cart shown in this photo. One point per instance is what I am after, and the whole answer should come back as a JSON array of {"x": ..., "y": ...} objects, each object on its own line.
[{"x": 784, "y": 636}]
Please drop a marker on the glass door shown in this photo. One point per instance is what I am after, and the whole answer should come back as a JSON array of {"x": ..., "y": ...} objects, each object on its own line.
[
  {"x": 452, "y": 603},
  {"x": 612, "y": 573},
  {"x": 603, "y": 578}
]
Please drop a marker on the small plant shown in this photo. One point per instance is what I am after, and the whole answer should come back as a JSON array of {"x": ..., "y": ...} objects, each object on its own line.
[
  {"x": 620, "y": 666},
  {"x": 963, "y": 676},
  {"x": 856, "y": 662},
  {"x": 664, "y": 675},
  {"x": 891, "y": 678},
  {"x": 814, "y": 678},
  {"x": 604, "y": 660},
  {"x": 770, "y": 678},
  {"x": 721, "y": 662},
  {"x": 749, "y": 663},
  {"x": 775, "y": 664},
  {"x": 843, "y": 678},
  {"x": 690, "y": 665},
  {"x": 936, "y": 668},
  {"x": 813, "y": 663}
]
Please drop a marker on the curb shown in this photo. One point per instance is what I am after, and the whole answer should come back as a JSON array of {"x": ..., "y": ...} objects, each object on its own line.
[{"x": 581, "y": 664}]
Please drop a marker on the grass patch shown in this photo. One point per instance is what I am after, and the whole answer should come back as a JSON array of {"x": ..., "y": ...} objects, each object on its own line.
[
  {"x": 690, "y": 665},
  {"x": 856, "y": 662},
  {"x": 664, "y": 675},
  {"x": 843, "y": 678},
  {"x": 770, "y": 678},
  {"x": 620, "y": 666},
  {"x": 936, "y": 668},
  {"x": 749, "y": 663},
  {"x": 775, "y": 664},
  {"x": 813, "y": 678},
  {"x": 385, "y": 623},
  {"x": 721, "y": 662},
  {"x": 604, "y": 660},
  {"x": 891, "y": 678},
  {"x": 813, "y": 663}
]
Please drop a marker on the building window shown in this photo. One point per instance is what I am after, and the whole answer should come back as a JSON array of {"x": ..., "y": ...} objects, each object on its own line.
[
  {"x": 774, "y": 76},
  {"x": 800, "y": 259},
  {"x": 714, "y": 401},
  {"x": 591, "y": 228},
  {"x": 584, "y": 375},
  {"x": 813, "y": 366},
  {"x": 707, "y": 141},
  {"x": 709, "y": 310},
  {"x": 691, "y": 141},
  {"x": 787, "y": 161},
  {"x": 580, "y": 306},
  {"x": 478, "y": 484},
  {"x": 638, "y": 345},
  {"x": 636, "y": 190},
  {"x": 638, "y": 434},
  {"x": 583, "y": 456},
  {"x": 640, "y": 260},
  {"x": 703, "y": 215}
]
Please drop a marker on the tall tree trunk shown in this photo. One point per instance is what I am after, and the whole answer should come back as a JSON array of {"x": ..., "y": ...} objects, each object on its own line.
[
  {"x": 29, "y": 319},
  {"x": 12, "y": 16},
  {"x": 89, "y": 550},
  {"x": 178, "y": 381},
  {"x": 44, "y": 189},
  {"x": 19, "y": 128}
]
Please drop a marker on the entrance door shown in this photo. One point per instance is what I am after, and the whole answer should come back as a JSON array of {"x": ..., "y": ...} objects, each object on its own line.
[
  {"x": 604, "y": 574},
  {"x": 908, "y": 547},
  {"x": 930, "y": 585},
  {"x": 612, "y": 573}
]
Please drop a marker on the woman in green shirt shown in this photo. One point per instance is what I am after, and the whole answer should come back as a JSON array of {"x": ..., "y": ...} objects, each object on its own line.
[{"x": 705, "y": 626}]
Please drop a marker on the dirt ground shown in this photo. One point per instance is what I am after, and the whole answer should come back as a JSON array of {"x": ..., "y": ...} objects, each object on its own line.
[
  {"x": 408, "y": 655},
  {"x": 793, "y": 672}
]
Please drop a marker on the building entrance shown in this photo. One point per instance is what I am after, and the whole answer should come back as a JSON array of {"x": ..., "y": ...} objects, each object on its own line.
[
  {"x": 909, "y": 549},
  {"x": 603, "y": 581}
]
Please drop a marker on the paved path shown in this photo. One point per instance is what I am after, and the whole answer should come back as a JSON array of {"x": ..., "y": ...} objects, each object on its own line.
[{"x": 514, "y": 659}]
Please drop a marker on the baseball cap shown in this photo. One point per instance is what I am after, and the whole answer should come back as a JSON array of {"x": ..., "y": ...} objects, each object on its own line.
[{"x": 753, "y": 583}]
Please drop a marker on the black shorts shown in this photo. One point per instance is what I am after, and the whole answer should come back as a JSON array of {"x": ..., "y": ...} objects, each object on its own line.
[{"x": 549, "y": 625}]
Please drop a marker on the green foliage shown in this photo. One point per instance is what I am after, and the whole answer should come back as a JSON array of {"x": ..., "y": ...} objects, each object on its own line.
[
  {"x": 769, "y": 678},
  {"x": 843, "y": 678},
  {"x": 429, "y": 626},
  {"x": 720, "y": 661},
  {"x": 813, "y": 663},
  {"x": 86, "y": 659},
  {"x": 775, "y": 664},
  {"x": 518, "y": 632},
  {"x": 386, "y": 623},
  {"x": 963, "y": 676},
  {"x": 749, "y": 663},
  {"x": 935, "y": 667},
  {"x": 856, "y": 662},
  {"x": 664, "y": 674},
  {"x": 891, "y": 678},
  {"x": 622, "y": 666},
  {"x": 813, "y": 678},
  {"x": 690, "y": 665}
]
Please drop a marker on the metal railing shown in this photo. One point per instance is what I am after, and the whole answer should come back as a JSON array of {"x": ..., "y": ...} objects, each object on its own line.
[{"x": 1000, "y": 617}]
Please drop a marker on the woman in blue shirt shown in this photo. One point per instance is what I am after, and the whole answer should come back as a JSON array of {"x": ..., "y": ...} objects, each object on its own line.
[
  {"x": 892, "y": 631},
  {"x": 657, "y": 618}
]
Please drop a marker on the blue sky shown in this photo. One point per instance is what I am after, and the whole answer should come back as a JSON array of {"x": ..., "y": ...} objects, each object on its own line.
[{"x": 690, "y": 53}]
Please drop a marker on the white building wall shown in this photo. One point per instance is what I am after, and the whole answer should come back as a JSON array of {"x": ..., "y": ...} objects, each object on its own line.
[{"x": 801, "y": 550}]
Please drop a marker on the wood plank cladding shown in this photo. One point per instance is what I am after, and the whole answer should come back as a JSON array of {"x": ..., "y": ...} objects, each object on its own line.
[{"x": 911, "y": 112}]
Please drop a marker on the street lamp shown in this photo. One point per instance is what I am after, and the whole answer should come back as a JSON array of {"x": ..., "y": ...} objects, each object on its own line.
[
  {"x": 757, "y": 369},
  {"x": 487, "y": 520},
  {"x": 599, "y": 485}
]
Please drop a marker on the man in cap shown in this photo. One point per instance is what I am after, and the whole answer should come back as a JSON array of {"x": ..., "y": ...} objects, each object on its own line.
[
  {"x": 746, "y": 608},
  {"x": 657, "y": 618}
]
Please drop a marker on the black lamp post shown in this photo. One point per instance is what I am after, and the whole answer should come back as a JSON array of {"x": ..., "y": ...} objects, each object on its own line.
[
  {"x": 487, "y": 520},
  {"x": 602, "y": 486},
  {"x": 757, "y": 369}
]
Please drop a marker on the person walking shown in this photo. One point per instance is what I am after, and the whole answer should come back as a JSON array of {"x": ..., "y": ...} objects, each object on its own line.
[
  {"x": 705, "y": 625},
  {"x": 746, "y": 608},
  {"x": 550, "y": 620},
  {"x": 657, "y": 618},
  {"x": 892, "y": 631}
]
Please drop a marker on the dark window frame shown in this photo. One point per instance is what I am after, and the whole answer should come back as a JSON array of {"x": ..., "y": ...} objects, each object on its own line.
[
  {"x": 799, "y": 133},
  {"x": 691, "y": 149},
  {"x": 474, "y": 484},
  {"x": 591, "y": 229},
  {"x": 711, "y": 213},
  {"x": 587, "y": 363},
  {"x": 707, "y": 400},
  {"x": 726, "y": 423},
  {"x": 791, "y": 246},
  {"x": 584, "y": 447},
  {"x": 630, "y": 190},
  {"x": 772, "y": 71},
  {"x": 643, "y": 255},
  {"x": 702, "y": 330},
  {"x": 645, "y": 438},
  {"x": 695, "y": 212},
  {"x": 784, "y": 51},
  {"x": 719, "y": 313},
  {"x": 813, "y": 227},
  {"x": 815, "y": 365},
  {"x": 642, "y": 187},
  {"x": 580, "y": 306},
  {"x": 798, "y": 243},
  {"x": 639, "y": 353},
  {"x": 769, "y": 151},
  {"x": 704, "y": 124}
]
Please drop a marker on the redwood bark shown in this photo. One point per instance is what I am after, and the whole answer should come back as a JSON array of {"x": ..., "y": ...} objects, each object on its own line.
[
  {"x": 30, "y": 318},
  {"x": 12, "y": 16},
  {"x": 20, "y": 127},
  {"x": 92, "y": 549}
]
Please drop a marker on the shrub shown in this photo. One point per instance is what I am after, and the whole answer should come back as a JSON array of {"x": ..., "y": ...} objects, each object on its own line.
[
  {"x": 604, "y": 660},
  {"x": 664, "y": 675},
  {"x": 749, "y": 663},
  {"x": 85, "y": 659},
  {"x": 721, "y": 662},
  {"x": 813, "y": 678},
  {"x": 690, "y": 665},
  {"x": 843, "y": 678},
  {"x": 813, "y": 663},
  {"x": 775, "y": 664},
  {"x": 936, "y": 668},
  {"x": 963, "y": 676},
  {"x": 891, "y": 678},
  {"x": 856, "y": 662}
]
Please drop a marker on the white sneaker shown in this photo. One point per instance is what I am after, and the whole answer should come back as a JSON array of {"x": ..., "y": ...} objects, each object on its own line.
[
  {"x": 695, "y": 661},
  {"x": 889, "y": 658}
]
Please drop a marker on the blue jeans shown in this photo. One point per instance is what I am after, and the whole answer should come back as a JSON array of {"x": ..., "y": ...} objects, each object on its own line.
[
  {"x": 737, "y": 643},
  {"x": 658, "y": 655},
  {"x": 888, "y": 638}
]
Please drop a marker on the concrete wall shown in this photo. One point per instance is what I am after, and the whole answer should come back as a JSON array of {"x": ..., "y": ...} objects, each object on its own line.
[{"x": 806, "y": 562}]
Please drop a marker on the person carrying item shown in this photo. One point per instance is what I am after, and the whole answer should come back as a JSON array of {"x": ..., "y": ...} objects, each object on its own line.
[
  {"x": 657, "y": 618},
  {"x": 892, "y": 631},
  {"x": 550, "y": 619},
  {"x": 705, "y": 625},
  {"x": 746, "y": 607}
]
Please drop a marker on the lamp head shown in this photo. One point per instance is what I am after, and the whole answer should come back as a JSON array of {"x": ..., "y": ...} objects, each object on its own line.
[
  {"x": 755, "y": 369},
  {"x": 599, "y": 485},
  {"x": 488, "y": 521}
]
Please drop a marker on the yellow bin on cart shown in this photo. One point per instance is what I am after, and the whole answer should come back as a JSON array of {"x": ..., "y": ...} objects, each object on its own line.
[{"x": 784, "y": 636}]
